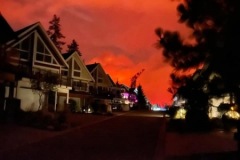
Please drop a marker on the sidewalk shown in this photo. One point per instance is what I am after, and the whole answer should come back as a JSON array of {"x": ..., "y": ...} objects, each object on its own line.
[{"x": 215, "y": 145}]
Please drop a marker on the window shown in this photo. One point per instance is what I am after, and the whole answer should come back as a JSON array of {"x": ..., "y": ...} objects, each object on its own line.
[
  {"x": 64, "y": 72},
  {"x": 79, "y": 86},
  {"x": 24, "y": 48},
  {"x": 100, "y": 77},
  {"x": 43, "y": 54},
  {"x": 76, "y": 85},
  {"x": 100, "y": 80},
  {"x": 84, "y": 87},
  {"x": 76, "y": 70}
]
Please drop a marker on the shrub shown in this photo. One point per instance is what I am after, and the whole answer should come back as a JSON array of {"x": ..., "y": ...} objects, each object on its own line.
[{"x": 197, "y": 120}]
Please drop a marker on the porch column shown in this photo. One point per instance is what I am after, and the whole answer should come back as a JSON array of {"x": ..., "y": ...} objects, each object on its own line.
[{"x": 67, "y": 98}]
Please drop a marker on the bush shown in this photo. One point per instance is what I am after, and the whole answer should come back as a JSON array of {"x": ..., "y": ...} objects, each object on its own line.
[
  {"x": 197, "y": 120},
  {"x": 49, "y": 120},
  {"x": 172, "y": 111},
  {"x": 228, "y": 123}
]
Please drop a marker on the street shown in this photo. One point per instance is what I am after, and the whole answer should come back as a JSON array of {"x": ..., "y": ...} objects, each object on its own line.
[
  {"x": 122, "y": 136},
  {"x": 130, "y": 136}
]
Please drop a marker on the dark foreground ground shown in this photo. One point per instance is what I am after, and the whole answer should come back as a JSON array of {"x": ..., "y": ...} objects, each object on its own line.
[{"x": 121, "y": 136}]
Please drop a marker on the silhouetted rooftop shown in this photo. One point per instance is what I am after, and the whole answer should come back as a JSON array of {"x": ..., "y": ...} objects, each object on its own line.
[
  {"x": 91, "y": 67},
  {"x": 66, "y": 55},
  {"x": 6, "y": 30}
]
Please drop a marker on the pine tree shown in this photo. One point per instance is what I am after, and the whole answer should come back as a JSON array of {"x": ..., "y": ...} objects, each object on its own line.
[
  {"x": 214, "y": 29},
  {"x": 54, "y": 31},
  {"x": 74, "y": 47},
  {"x": 142, "y": 102}
]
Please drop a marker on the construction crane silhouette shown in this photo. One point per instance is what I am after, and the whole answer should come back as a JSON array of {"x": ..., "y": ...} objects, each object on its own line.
[{"x": 134, "y": 79}]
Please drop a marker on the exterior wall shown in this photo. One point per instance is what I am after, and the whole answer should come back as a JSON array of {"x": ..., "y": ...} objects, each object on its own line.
[
  {"x": 62, "y": 98},
  {"x": 29, "y": 99},
  {"x": 64, "y": 90},
  {"x": 61, "y": 103}
]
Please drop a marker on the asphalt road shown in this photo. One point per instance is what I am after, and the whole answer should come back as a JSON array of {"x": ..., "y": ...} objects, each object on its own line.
[{"x": 132, "y": 136}]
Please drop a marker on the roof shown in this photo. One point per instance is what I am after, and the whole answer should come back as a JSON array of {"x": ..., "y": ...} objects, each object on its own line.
[
  {"x": 41, "y": 31},
  {"x": 66, "y": 55},
  {"x": 110, "y": 78},
  {"x": 6, "y": 31},
  {"x": 91, "y": 67},
  {"x": 25, "y": 28}
]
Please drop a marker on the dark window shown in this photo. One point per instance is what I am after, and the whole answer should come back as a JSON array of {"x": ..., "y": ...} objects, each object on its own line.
[
  {"x": 76, "y": 74},
  {"x": 39, "y": 57}
]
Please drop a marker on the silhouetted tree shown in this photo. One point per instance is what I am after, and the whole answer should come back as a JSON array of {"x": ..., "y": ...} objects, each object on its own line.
[
  {"x": 54, "y": 31},
  {"x": 214, "y": 26},
  {"x": 214, "y": 45},
  {"x": 42, "y": 82},
  {"x": 142, "y": 103},
  {"x": 74, "y": 47}
]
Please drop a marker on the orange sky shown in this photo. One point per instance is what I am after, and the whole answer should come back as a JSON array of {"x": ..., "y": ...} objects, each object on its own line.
[{"x": 119, "y": 34}]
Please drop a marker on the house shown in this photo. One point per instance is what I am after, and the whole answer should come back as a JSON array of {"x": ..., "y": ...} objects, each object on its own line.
[
  {"x": 27, "y": 52},
  {"x": 80, "y": 78},
  {"x": 29, "y": 55},
  {"x": 103, "y": 84}
]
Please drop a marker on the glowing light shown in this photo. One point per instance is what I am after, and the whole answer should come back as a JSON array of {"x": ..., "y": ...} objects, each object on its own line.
[
  {"x": 181, "y": 113},
  {"x": 155, "y": 107},
  {"x": 232, "y": 114},
  {"x": 126, "y": 101},
  {"x": 125, "y": 95}
]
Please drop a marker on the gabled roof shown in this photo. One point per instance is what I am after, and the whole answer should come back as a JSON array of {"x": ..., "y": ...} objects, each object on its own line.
[
  {"x": 6, "y": 32},
  {"x": 74, "y": 55},
  {"x": 91, "y": 67},
  {"x": 25, "y": 28},
  {"x": 98, "y": 67},
  {"x": 124, "y": 86},
  {"x": 41, "y": 31},
  {"x": 67, "y": 55},
  {"x": 110, "y": 78}
]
